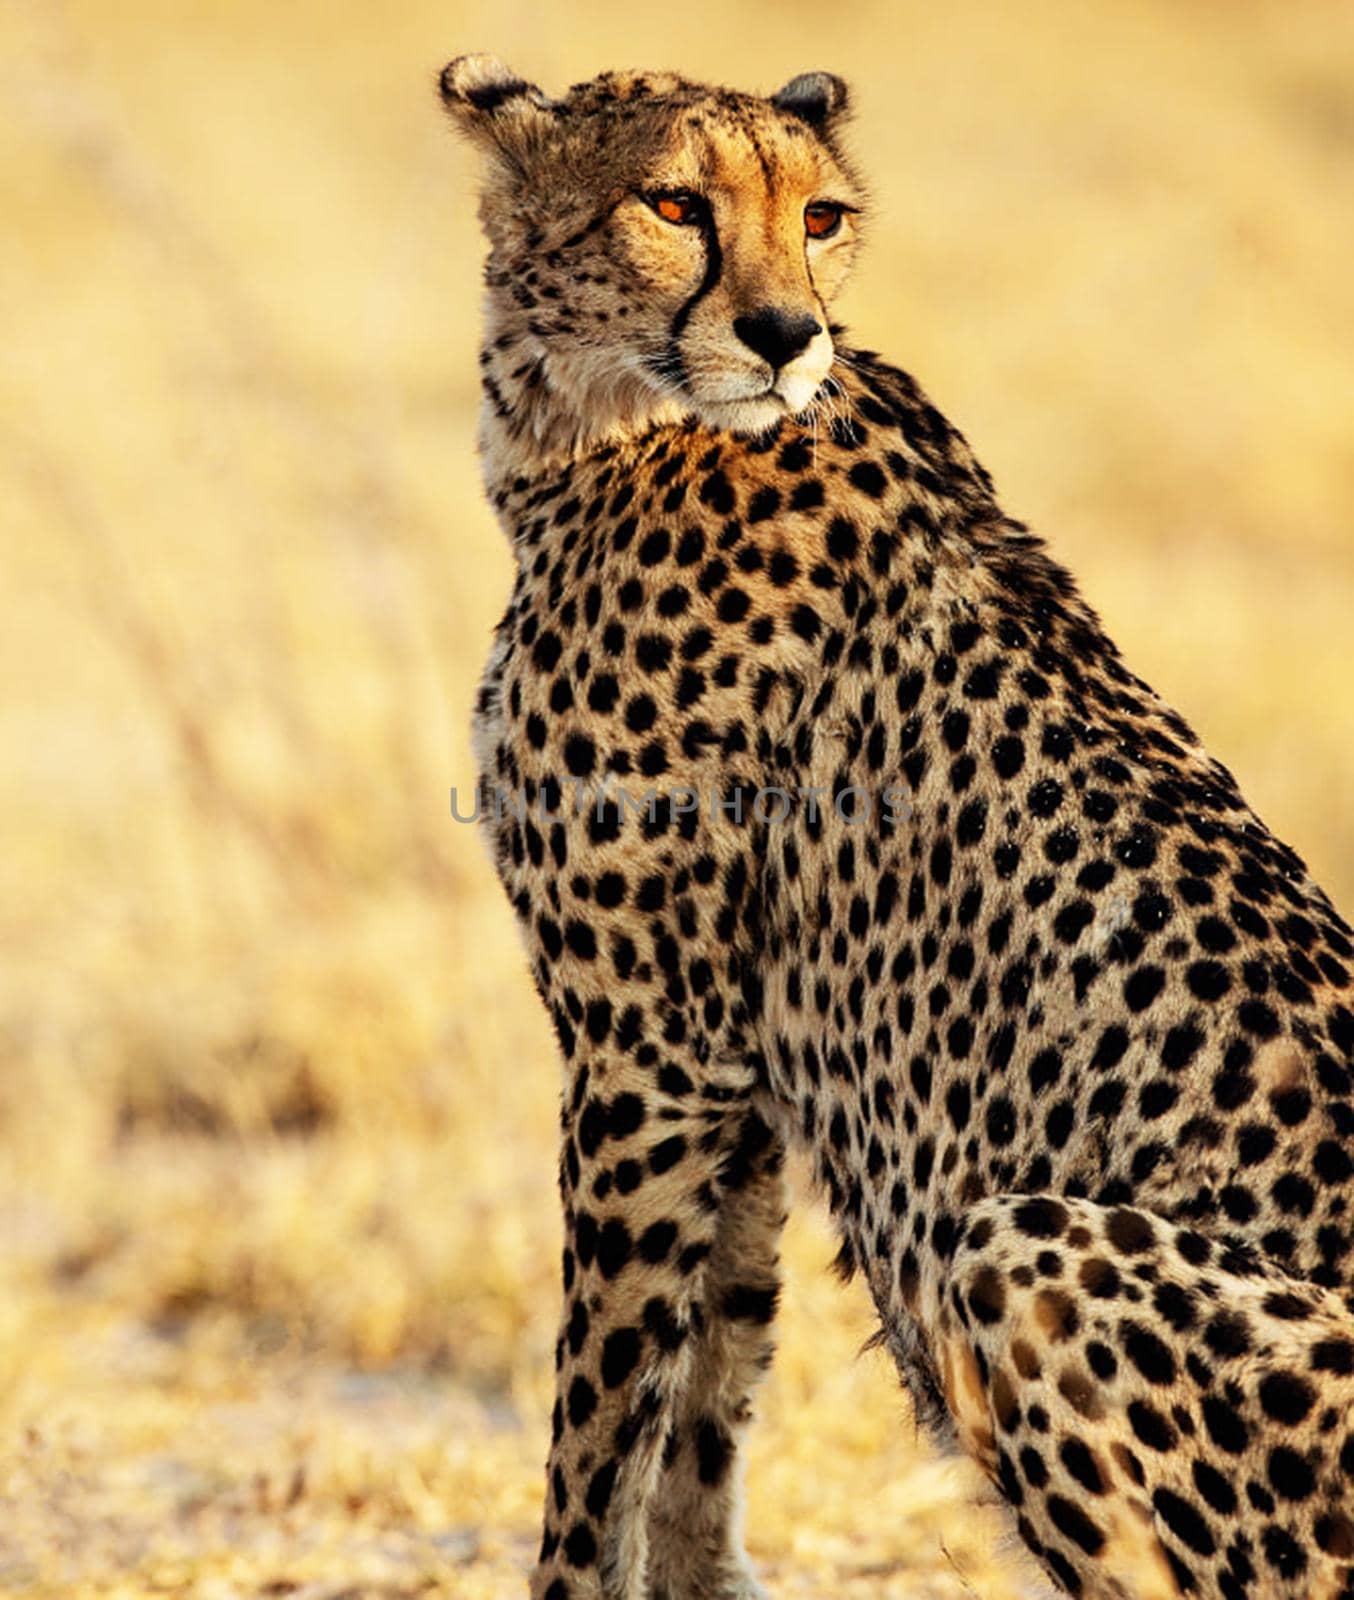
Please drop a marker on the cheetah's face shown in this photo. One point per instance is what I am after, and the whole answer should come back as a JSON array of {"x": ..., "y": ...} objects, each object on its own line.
[{"x": 659, "y": 248}]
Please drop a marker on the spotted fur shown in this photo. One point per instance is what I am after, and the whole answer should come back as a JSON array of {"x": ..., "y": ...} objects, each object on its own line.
[{"x": 1068, "y": 1034}]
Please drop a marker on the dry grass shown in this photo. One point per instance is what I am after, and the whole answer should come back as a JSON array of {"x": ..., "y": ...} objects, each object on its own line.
[{"x": 279, "y": 1240}]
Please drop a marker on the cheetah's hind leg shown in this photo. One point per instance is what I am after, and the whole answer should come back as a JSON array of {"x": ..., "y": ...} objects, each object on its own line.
[{"x": 1164, "y": 1415}]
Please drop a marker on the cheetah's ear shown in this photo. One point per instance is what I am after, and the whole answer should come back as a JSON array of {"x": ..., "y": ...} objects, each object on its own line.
[
  {"x": 492, "y": 105},
  {"x": 818, "y": 98}
]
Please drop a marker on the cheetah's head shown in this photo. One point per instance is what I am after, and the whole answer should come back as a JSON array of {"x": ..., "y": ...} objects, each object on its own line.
[{"x": 658, "y": 248}]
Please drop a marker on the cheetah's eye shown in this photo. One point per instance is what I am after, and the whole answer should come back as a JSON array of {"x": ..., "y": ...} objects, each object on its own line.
[
  {"x": 822, "y": 218},
  {"x": 677, "y": 205}
]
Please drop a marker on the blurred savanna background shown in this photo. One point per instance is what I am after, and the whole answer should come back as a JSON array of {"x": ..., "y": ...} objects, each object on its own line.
[{"x": 278, "y": 1240}]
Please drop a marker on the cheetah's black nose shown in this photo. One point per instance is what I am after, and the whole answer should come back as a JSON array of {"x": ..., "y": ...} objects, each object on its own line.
[{"x": 777, "y": 336}]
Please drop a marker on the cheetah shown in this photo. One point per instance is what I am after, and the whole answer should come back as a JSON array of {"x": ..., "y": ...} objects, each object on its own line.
[{"x": 831, "y": 818}]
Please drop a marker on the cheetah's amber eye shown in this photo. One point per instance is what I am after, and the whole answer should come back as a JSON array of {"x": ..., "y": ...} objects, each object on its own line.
[
  {"x": 677, "y": 206},
  {"x": 822, "y": 218}
]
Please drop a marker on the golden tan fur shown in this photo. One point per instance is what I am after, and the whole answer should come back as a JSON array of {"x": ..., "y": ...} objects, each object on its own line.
[{"x": 1068, "y": 1039}]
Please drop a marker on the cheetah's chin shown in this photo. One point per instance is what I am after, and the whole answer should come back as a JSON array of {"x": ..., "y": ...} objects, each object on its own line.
[
  {"x": 756, "y": 414},
  {"x": 790, "y": 396},
  {"x": 797, "y": 393}
]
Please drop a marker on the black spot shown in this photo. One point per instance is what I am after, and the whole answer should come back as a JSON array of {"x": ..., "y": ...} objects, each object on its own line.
[
  {"x": 733, "y": 605},
  {"x": 659, "y": 1320},
  {"x": 656, "y": 1241},
  {"x": 868, "y": 478},
  {"x": 1041, "y": 1218},
  {"x": 1184, "y": 1520},
  {"x": 1147, "y": 1353},
  {"x": 582, "y": 1401},
  {"x": 653, "y": 652},
  {"x": 763, "y": 504},
  {"x": 1082, "y": 1465},
  {"x": 713, "y": 1450},
  {"x": 987, "y": 1295},
  {"x": 1181, "y": 1045},
  {"x": 598, "y": 1497},
  {"x": 1175, "y": 1305},
  {"x": 1225, "y": 1427},
  {"x": 1283, "y": 1552},
  {"x": 1286, "y": 1397},
  {"x": 717, "y": 493},
  {"x": 667, "y": 1153},
  {"x": 1151, "y": 1426},
  {"x": 1216, "y": 1490},
  {"x": 1001, "y": 1121},
  {"x": 842, "y": 539},
  {"x": 1103, "y": 1361},
  {"x": 1100, "y": 1278},
  {"x": 613, "y": 1248},
  {"x": 580, "y": 755},
  {"x": 1110, "y": 1050},
  {"x": 1071, "y": 1521},
  {"x": 782, "y": 568},
  {"x": 1045, "y": 797},
  {"x": 580, "y": 1548},
  {"x": 1333, "y": 1355},
  {"x": 1008, "y": 756},
  {"x": 620, "y": 1356},
  {"x": 1143, "y": 986},
  {"x": 806, "y": 622},
  {"x": 577, "y": 1332},
  {"x": 1032, "y": 1465},
  {"x": 1290, "y": 1475},
  {"x": 1073, "y": 920},
  {"x": 1208, "y": 980},
  {"x": 1129, "y": 1231}
]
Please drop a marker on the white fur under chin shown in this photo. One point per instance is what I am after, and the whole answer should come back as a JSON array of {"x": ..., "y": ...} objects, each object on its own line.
[
  {"x": 742, "y": 416},
  {"x": 790, "y": 397},
  {"x": 798, "y": 389}
]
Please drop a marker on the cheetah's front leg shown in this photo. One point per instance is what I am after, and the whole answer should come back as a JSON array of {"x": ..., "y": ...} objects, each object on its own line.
[
  {"x": 647, "y": 1178},
  {"x": 695, "y": 1532}
]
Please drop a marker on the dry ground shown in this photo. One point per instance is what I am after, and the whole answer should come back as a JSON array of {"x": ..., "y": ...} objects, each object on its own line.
[{"x": 277, "y": 1232}]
